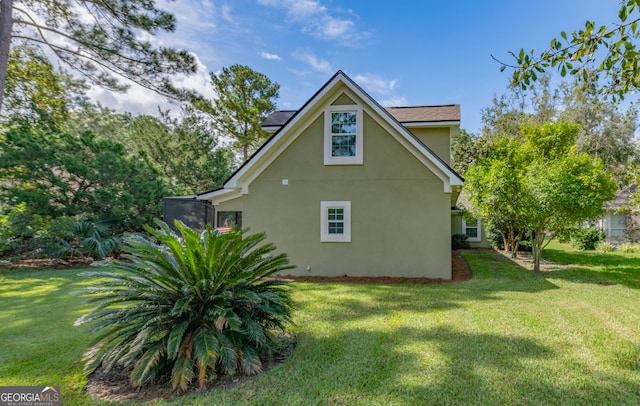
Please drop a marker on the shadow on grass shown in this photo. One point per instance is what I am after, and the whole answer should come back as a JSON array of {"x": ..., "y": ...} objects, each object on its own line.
[
  {"x": 424, "y": 366},
  {"x": 492, "y": 274},
  {"x": 593, "y": 267}
]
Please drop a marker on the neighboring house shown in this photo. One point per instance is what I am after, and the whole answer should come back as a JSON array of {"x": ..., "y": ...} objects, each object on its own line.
[
  {"x": 472, "y": 228},
  {"x": 347, "y": 187},
  {"x": 618, "y": 220}
]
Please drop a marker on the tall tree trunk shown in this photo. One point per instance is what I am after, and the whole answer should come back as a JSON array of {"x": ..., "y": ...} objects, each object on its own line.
[
  {"x": 536, "y": 245},
  {"x": 6, "y": 25}
]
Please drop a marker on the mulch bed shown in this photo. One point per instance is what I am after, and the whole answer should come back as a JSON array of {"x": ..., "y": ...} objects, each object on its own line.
[
  {"x": 114, "y": 386},
  {"x": 51, "y": 263},
  {"x": 460, "y": 272}
]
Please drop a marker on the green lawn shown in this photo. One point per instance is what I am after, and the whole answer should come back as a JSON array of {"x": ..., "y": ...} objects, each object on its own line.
[{"x": 504, "y": 337}]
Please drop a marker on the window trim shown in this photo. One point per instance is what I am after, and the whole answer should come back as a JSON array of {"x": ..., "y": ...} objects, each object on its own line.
[
  {"x": 324, "y": 221},
  {"x": 342, "y": 160},
  {"x": 478, "y": 225}
]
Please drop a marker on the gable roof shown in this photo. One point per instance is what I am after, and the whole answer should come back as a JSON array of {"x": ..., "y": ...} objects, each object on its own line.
[
  {"x": 448, "y": 113},
  {"x": 237, "y": 183},
  {"x": 405, "y": 115},
  {"x": 622, "y": 198}
]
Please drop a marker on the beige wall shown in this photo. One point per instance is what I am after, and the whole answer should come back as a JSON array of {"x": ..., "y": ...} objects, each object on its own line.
[
  {"x": 400, "y": 226},
  {"x": 438, "y": 139}
]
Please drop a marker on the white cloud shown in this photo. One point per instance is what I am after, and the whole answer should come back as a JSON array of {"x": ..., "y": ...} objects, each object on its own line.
[
  {"x": 267, "y": 55},
  {"x": 139, "y": 100},
  {"x": 316, "y": 63},
  {"x": 225, "y": 12},
  {"x": 375, "y": 84},
  {"x": 318, "y": 20},
  {"x": 394, "y": 102}
]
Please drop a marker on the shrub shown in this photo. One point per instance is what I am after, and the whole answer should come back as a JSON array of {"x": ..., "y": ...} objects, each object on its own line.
[
  {"x": 92, "y": 239},
  {"x": 459, "y": 241},
  {"x": 604, "y": 246},
  {"x": 194, "y": 305},
  {"x": 629, "y": 247},
  {"x": 586, "y": 238}
]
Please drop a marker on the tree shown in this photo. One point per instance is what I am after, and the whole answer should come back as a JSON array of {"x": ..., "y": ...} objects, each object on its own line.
[
  {"x": 191, "y": 307},
  {"x": 539, "y": 182},
  {"x": 462, "y": 152},
  {"x": 606, "y": 132},
  {"x": 591, "y": 53},
  {"x": 35, "y": 89},
  {"x": 185, "y": 150},
  {"x": 494, "y": 186},
  {"x": 75, "y": 174},
  {"x": 245, "y": 99},
  {"x": 97, "y": 39}
]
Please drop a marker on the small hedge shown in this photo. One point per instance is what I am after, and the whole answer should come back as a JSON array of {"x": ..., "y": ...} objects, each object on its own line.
[
  {"x": 459, "y": 241},
  {"x": 586, "y": 239}
]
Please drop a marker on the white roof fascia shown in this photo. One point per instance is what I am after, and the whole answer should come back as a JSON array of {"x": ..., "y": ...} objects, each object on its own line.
[
  {"x": 221, "y": 195},
  {"x": 233, "y": 181},
  {"x": 413, "y": 124},
  {"x": 278, "y": 145},
  {"x": 421, "y": 154},
  {"x": 452, "y": 178}
]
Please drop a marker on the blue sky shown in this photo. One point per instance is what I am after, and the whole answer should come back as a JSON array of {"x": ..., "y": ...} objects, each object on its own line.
[{"x": 401, "y": 53}]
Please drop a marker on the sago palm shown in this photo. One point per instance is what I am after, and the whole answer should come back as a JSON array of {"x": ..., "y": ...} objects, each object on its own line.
[{"x": 190, "y": 307}]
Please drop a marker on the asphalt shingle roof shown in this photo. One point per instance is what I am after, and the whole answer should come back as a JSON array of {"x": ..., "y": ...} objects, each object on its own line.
[
  {"x": 409, "y": 114},
  {"x": 622, "y": 198},
  {"x": 419, "y": 114}
]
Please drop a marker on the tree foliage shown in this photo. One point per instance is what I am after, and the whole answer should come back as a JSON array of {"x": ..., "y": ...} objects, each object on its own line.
[
  {"x": 245, "y": 99},
  {"x": 185, "y": 150},
  {"x": 540, "y": 183},
  {"x": 606, "y": 131},
  {"x": 35, "y": 90},
  {"x": 592, "y": 53},
  {"x": 190, "y": 307},
  {"x": 70, "y": 174},
  {"x": 100, "y": 40}
]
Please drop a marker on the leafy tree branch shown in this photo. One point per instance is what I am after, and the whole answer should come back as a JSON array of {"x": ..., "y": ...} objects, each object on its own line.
[
  {"x": 591, "y": 53},
  {"x": 101, "y": 39}
]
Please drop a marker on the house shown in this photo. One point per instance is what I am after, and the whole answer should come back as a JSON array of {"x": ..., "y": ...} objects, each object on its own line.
[
  {"x": 347, "y": 187},
  {"x": 472, "y": 228},
  {"x": 618, "y": 220}
]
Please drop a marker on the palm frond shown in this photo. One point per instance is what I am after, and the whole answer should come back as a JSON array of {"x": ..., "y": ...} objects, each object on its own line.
[{"x": 191, "y": 305}]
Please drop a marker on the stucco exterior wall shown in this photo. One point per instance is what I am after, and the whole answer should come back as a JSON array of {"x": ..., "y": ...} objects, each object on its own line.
[
  {"x": 437, "y": 139},
  {"x": 400, "y": 214},
  {"x": 229, "y": 205}
]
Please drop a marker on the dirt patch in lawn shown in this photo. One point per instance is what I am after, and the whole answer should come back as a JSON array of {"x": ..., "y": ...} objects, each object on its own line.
[
  {"x": 49, "y": 263},
  {"x": 460, "y": 271},
  {"x": 114, "y": 385},
  {"x": 525, "y": 260}
]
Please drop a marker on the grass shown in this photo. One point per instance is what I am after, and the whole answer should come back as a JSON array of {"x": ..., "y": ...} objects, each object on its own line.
[{"x": 504, "y": 337}]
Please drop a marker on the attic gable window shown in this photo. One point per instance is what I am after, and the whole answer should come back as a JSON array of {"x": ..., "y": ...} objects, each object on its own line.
[{"x": 343, "y": 135}]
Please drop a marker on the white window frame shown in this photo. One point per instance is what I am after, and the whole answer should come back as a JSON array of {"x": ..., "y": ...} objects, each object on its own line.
[
  {"x": 324, "y": 221},
  {"x": 342, "y": 160},
  {"x": 478, "y": 226}
]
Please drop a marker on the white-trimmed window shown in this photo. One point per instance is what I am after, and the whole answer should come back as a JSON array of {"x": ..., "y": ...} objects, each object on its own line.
[
  {"x": 335, "y": 221},
  {"x": 472, "y": 230},
  {"x": 343, "y": 135}
]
